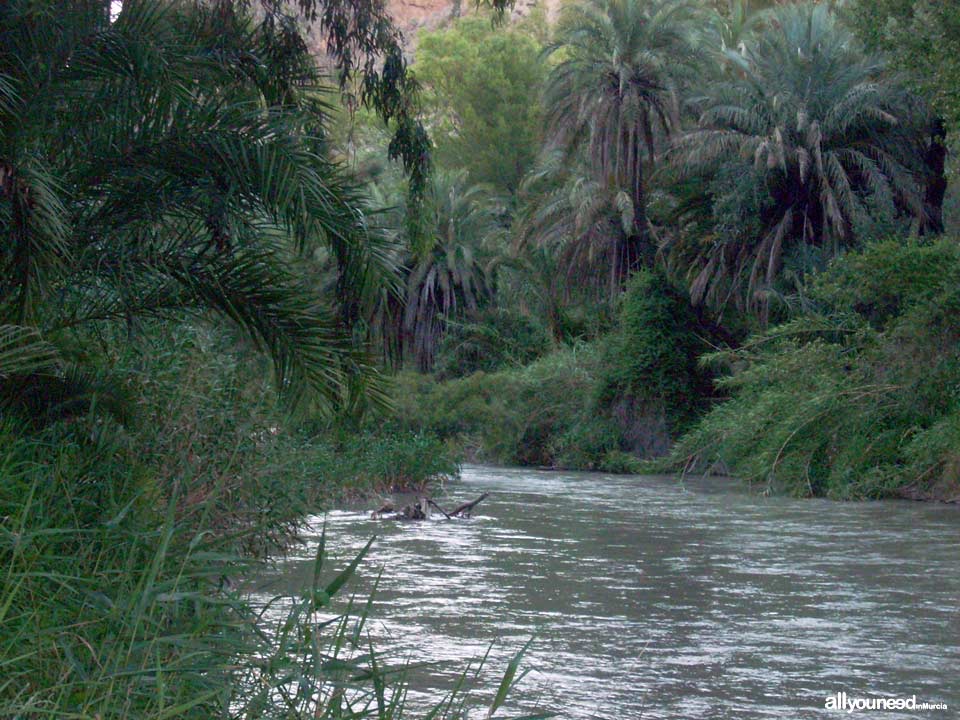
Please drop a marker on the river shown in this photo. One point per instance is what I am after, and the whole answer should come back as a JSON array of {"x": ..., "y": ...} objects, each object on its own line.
[{"x": 648, "y": 597}]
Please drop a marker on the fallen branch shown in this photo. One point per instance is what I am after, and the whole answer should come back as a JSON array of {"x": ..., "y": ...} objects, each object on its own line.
[
  {"x": 420, "y": 510},
  {"x": 467, "y": 508},
  {"x": 442, "y": 511}
]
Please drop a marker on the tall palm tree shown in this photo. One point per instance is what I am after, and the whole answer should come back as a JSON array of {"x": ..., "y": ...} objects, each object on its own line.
[
  {"x": 611, "y": 98},
  {"x": 151, "y": 166},
  {"x": 805, "y": 139},
  {"x": 446, "y": 276}
]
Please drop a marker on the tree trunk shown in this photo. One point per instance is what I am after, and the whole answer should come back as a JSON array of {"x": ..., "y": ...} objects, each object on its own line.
[
  {"x": 633, "y": 252},
  {"x": 935, "y": 161}
]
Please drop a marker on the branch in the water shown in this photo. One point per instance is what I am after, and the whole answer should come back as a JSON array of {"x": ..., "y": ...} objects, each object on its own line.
[{"x": 420, "y": 510}]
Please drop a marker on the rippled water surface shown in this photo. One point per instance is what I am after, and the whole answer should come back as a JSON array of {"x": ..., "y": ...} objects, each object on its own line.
[{"x": 649, "y": 598}]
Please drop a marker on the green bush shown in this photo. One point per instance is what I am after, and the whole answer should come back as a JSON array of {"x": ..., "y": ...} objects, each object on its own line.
[
  {"x": 857, "y": 400},
  {"x": 652, "y": 358},
  {"x": 513, "y": 416},
  {"x": 880, "y": 283},
  {"x": 497, "y": 339},
  {"x": 361, "y": 463}
]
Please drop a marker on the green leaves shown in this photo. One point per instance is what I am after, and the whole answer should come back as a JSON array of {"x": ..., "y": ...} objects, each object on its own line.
[
  {"x": 145, "y": 174},
  {"x": 922, "y": 37},
  {"x": 481, "y": 87},
  {"x": 831, "y": 137},
  {"x": 23, "y": 351},
  {"x": 508, "y": 680}
]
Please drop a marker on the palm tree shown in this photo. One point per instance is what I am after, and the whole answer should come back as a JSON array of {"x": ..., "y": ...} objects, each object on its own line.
[
  {"x": 445, "y": 273},
  {"x": 611, "y": 98},
  {"x": 154, "y": 167},
  {"x": 804, "y": 140},
  {"x": 580, "y": 223},
  {"x": 731, "y": 25}
]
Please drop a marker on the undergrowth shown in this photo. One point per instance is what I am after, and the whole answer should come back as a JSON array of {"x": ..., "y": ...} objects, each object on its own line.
[
  {"x": 123, "y": 546},
  {"x": 859, "y": 398},
  {"x": 599, "y": 406}
]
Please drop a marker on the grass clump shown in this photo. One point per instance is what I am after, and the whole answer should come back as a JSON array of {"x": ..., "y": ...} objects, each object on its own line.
[{"x": 113, "y": 607}]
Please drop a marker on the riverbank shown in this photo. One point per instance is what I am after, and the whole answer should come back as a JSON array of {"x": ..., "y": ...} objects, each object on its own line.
[
  {"x": 853, "y": 395},
  {"x": 123, "y": 543}
]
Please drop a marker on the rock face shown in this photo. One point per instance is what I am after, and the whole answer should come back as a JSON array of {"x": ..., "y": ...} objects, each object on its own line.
[
  {"x": 414, "y": 15},
  {"x": 411, "y": 16}
]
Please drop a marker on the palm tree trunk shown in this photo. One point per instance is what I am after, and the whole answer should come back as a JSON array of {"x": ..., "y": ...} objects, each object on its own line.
[
  {"x": 640, "y": 251},
  {"x": 935, "y": 161}
]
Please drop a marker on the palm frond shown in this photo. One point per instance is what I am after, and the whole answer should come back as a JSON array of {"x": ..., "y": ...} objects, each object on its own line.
[
  {"x": 23, "y": 351},
  {"x": 826, "y": 129}
]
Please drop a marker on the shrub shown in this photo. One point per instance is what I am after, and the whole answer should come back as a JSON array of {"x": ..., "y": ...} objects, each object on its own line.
[
  {"x": 651, "y": 383},
  {"x": 881, "y": 282},
  {"x": 857, "y": 400},
  {"x": 498, "y": 339},
  {"x": 366, "y": 462},
  {"x": 513, "y": 416}
]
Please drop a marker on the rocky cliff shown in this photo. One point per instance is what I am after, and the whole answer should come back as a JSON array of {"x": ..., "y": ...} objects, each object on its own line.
[{"x": 411, "y": 16}]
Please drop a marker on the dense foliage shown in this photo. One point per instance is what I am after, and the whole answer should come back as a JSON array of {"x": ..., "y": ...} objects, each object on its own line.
[
  {"x": 856, "y": 398},
  {"x": 923, "y": 37},
  {"x": 181, "y": 248},
  {"x": 148, "y": 173},
  {"x": 813, "y": 165},
  {"x": 704, "y": 169},
  {"x": 479, "y": 82},
  {"x": 720, "y": 234}
]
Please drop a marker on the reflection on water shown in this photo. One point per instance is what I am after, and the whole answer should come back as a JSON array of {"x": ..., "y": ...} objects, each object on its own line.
[{"x": 654, "y": 599}]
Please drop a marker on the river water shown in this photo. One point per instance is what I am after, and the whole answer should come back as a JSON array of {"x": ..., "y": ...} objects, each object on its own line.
[{"x": 652, "y": 598}]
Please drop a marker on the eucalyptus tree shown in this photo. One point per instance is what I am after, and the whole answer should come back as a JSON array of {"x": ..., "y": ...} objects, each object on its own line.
[
  {"x": 613, "y": 95},
  {"x": 805, "y": 141},
  {"x": 169, "y": 163}
]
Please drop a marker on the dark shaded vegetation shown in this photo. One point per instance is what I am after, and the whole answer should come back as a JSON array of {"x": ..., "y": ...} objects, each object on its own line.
[
  {"x": 599, "y": 405},
  {"x": 661, "y": 234},
  {"x": 184, "y": 281},
  {"x": 855, "y": 398},
  {"x": 707, "y": 174}
]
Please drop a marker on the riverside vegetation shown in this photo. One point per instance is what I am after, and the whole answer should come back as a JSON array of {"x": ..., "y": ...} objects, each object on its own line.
[
  {"x": 236, "y": 290},
  {"x": 183, "y": 270},
  {"x": 732, "y": 249}
]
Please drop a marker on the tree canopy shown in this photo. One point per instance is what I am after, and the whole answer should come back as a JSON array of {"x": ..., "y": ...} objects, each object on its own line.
[
  {"x": 819, "y": 130},
  {"x": 168, "y": 164},
  {"x": 481, "y": 90}
]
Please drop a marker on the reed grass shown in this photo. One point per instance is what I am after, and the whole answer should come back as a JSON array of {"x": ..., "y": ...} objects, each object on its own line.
[{"x": 123, "y": 551}]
